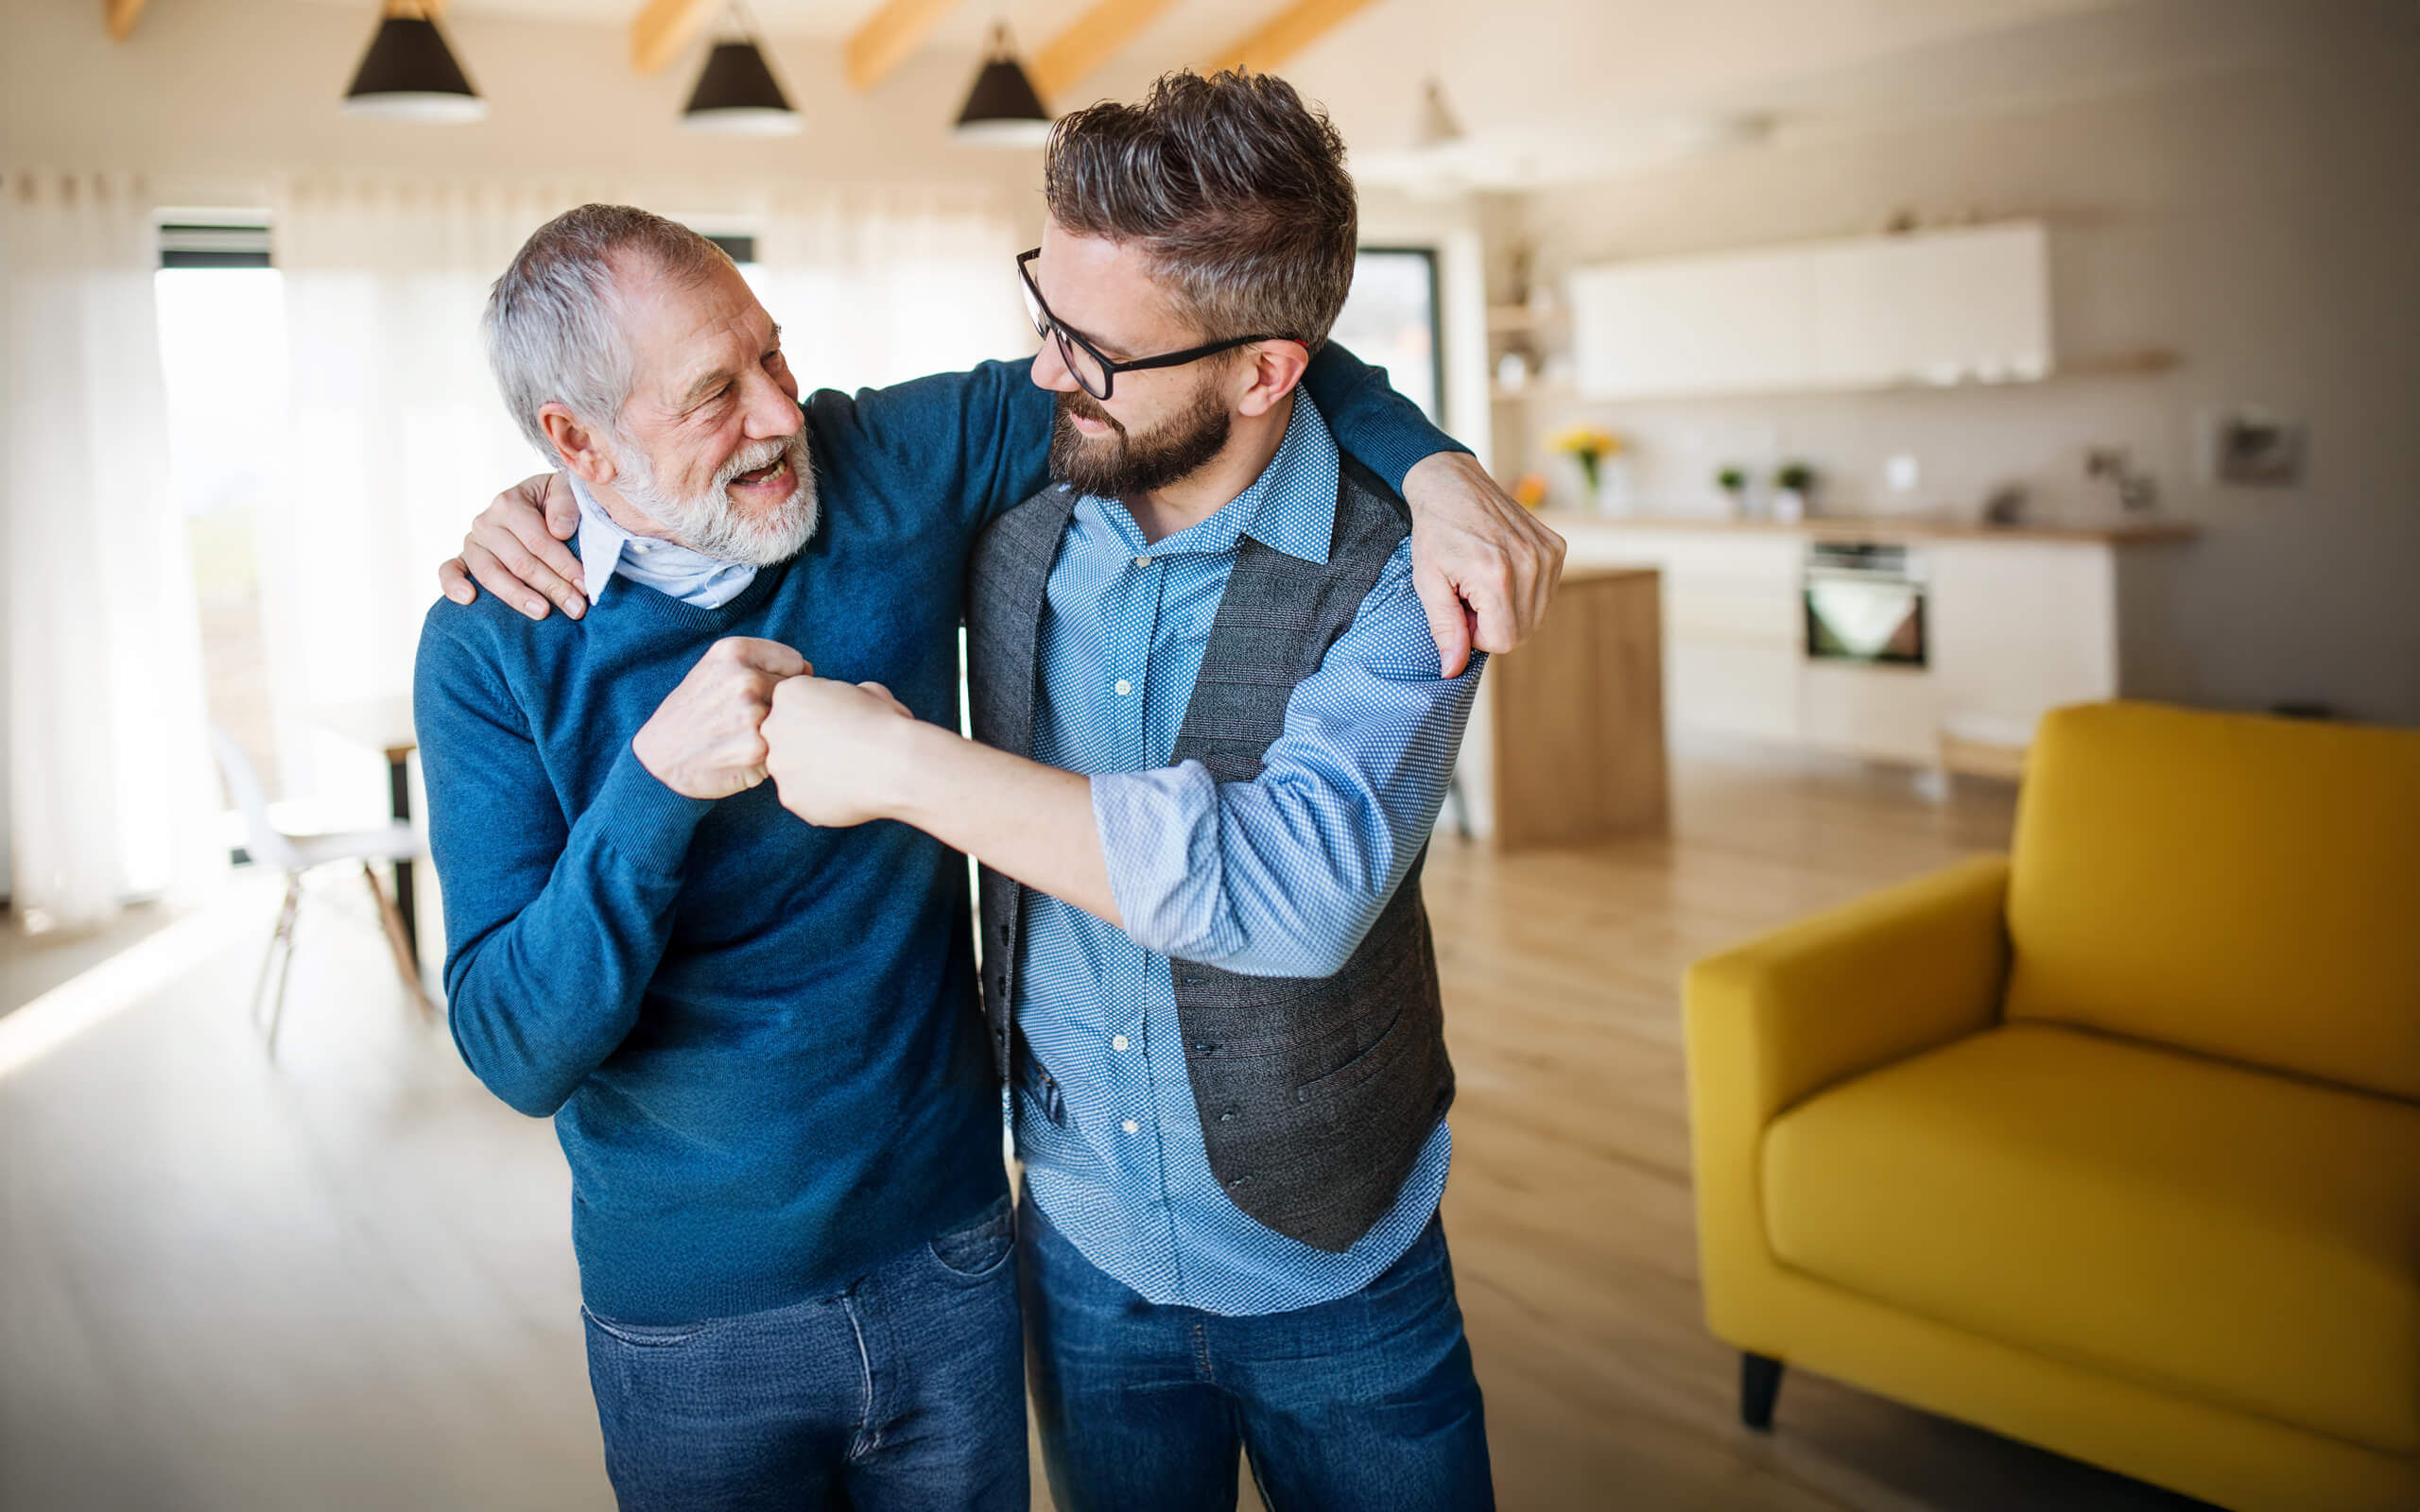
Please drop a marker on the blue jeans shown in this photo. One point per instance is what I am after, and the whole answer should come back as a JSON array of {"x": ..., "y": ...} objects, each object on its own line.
[
  {"x": 899, "y": 1393},
  {"x": 1367, "y": 1401}
]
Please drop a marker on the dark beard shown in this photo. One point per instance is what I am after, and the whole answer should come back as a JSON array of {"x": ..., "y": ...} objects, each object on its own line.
[{"x": 1121, "y": 465}]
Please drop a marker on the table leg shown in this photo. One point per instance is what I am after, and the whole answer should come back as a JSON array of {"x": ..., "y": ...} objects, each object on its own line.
[{"x": 399, "y": 798}]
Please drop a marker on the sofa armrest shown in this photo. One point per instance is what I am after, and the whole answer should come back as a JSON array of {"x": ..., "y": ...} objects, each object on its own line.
[{"x": 1774, "y": 1022}]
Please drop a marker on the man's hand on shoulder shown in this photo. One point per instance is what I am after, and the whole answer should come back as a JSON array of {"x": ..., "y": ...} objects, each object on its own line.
[
  {"x": 836, "y": 750},
  {"x": 515, "y": 550},
  {"x": 707, "y": 738},
  {"x": 1485, "y": 569}
]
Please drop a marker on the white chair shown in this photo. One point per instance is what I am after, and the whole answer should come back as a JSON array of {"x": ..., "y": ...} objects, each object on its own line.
[{"x": 296, "y": 854}]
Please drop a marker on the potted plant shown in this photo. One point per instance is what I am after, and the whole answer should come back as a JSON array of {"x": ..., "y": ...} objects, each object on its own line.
[
  {"x": 1733, "y": 481},
  {"x": 1794, "y": 492}
]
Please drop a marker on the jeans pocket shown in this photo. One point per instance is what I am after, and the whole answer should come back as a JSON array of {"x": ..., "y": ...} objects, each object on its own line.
[
  {"x": 643, "y": 1335},
  {"x": 975, "y": 1250}
]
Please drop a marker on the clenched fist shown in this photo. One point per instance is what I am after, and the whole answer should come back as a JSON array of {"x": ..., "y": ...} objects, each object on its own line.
[
  {"x": 837, "y": 752},
  {"x": 707, "y": 738}
]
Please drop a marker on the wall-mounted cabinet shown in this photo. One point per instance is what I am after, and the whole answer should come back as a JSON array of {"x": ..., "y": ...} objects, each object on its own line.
[{"x": 1971, "y": 305}]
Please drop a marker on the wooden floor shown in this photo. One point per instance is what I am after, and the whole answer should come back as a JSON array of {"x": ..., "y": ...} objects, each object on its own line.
[{"x": 345, "y": 1281}]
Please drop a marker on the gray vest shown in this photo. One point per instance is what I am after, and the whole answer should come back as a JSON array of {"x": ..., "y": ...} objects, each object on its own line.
[{"x": 1315, "y": 1095}]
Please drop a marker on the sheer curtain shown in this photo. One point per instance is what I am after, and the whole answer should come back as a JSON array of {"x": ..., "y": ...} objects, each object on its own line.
[
  {"x": 875, "y": 290},
  {"x": 396, "y": 439},
  {"x": 111, "y": 792},
  {"x": 399, "y": 436}
]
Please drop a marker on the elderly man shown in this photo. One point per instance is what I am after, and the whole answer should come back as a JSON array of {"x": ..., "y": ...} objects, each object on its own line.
[{"x": 759, "y": 1041}]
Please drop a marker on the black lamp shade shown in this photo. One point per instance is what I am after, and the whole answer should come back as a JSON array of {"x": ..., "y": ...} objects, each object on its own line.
[
  {"x": 410, "y": 75},
  {"x": 1003, "y": 109},
  {"x": 737, "y": 93}
]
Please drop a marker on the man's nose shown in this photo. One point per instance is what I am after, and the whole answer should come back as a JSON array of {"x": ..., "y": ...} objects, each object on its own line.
[
  {"x": 770, "y": 412},
  {"x": 1050, "y": 369}
]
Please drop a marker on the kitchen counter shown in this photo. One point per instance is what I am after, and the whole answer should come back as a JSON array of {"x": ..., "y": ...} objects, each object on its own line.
[{"x": 1882, "y": 527}]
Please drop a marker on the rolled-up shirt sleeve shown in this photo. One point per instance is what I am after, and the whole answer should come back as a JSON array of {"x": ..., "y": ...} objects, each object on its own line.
[{"x": 1283, "y": 876}]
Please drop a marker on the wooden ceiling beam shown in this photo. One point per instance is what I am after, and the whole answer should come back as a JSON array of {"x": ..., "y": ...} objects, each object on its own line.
[
  {"x": 1289, "y": 32},
  {"x": 890, "y": 36},
  {"x": 1091, "y": 41},
  {"x": 663, "y": 28},
  {"x": 119, "y": 16}
]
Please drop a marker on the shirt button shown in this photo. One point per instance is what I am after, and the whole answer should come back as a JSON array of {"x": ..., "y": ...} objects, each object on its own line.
[
  {"x": 1130, "y": 1127},
  {"x": 1119, "y": 1043},
  {"x": 1144, "y": 560},
  {"x": 1124, "y": 687}
]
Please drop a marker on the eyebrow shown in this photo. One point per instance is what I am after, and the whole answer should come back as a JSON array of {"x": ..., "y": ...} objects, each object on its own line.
[{"x": 709, "y": 382}]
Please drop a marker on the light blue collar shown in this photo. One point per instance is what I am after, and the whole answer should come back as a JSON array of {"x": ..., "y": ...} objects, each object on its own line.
[
  {"x": 606, "y": 550},
  {"x": 1289, "y": 508}
]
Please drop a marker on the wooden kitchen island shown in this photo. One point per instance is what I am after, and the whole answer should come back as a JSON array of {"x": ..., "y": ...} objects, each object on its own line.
[{"x": 1566, "y": 745}]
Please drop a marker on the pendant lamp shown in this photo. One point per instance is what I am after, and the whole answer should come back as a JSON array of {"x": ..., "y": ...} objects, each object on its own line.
[
  {"x": 410, "y": 74},
  {"x": 738, "y": 91},
  {"x": 1002, "y": 109}
]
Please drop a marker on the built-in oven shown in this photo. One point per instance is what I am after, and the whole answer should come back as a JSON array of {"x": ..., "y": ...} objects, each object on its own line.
[{"x": 1865, "y": 602}]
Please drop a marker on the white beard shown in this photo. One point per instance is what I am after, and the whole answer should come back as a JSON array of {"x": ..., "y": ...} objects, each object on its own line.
[{"x": 709, "y": 522}]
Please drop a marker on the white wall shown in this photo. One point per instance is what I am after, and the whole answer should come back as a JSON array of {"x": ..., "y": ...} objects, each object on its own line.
[{"x": 2260, "y": 220}]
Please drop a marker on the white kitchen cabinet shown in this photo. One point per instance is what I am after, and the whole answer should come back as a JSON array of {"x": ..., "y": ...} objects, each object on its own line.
[
  {"x": 1740, "y": 322},
  {"x": 1950, "y": 306},
  {"x": 2016, "y": 623},
  {"x": 2021, "y": 627}
]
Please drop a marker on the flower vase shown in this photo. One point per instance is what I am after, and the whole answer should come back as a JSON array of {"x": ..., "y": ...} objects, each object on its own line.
[{"x": 1614, "y": 487}]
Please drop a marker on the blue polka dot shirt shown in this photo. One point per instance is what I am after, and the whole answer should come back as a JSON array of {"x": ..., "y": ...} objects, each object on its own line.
[{"x": 1281, "y": 876}]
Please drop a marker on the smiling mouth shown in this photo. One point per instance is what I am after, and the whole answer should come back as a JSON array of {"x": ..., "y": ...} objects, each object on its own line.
[{"x": 772, "y": 471}]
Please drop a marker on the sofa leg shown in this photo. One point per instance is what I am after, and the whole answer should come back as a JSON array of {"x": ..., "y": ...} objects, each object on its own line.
[{"x": 1759, "y": 1384}]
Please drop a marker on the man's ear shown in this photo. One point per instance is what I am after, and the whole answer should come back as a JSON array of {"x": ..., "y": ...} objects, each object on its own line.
[
  {"x": 584, "y": 452},
  {"x": 1275, "y": 369}
]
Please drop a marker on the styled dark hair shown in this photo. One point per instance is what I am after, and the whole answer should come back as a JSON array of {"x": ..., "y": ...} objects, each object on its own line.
[{"x": 1234, "y": 187}]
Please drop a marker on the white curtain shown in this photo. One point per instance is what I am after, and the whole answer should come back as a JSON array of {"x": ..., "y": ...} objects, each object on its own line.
[
  {"x": 111, "y": 792},
  {"x": 878, "y": 290},
  {"x": 399, "y": 436}
]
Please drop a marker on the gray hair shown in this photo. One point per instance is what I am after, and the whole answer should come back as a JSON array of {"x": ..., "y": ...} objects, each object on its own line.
[
  {"x": 553, "y": 321},
  {"x": 1234, "y": 187}
]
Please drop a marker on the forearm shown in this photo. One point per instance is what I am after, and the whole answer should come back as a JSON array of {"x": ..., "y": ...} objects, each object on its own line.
[
  {"x": 1017, "y": 817},
  {"x": 1374, "y": 425},
  {"x": 540, "y": 998}
]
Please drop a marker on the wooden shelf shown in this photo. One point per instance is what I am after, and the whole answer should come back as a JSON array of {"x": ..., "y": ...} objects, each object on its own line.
[
  {"x": 1520, "y": 320},
  {"x": 2145, "y": 532},
  {"x": 1548, "y": 392}
]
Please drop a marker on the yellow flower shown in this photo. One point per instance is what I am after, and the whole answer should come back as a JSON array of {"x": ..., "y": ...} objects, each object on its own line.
[
  {"x": 1589, "y": 442},
  {"x": 1530, "y": 492}
]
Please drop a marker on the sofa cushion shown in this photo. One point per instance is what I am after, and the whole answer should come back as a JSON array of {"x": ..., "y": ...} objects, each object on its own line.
[
  {"x": 2236, "y": 884},
  {"x": 2243, "y": 1238}
]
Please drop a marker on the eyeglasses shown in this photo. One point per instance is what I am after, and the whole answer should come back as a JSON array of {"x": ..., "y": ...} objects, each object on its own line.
[{"x": 1095, "y": 374}]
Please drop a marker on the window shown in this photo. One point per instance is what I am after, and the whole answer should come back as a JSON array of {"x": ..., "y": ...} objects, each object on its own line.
[
  {"x": 223, "y": 361},
  {"x": 1391, "y": 321}
]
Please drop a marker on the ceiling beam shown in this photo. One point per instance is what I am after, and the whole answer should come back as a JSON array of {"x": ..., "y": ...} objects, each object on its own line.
[
  {"x": 1289, "y": 32},
  {"x": 119, "y": 16},
  {"x": 1089, "y": 41},
  {"x": 889, "y": 35},
  {"x": 663, "y": 28}
]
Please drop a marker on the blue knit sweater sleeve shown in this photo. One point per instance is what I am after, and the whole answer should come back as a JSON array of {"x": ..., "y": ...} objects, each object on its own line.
[
  {"x": 552, "y": 930},
  {"x": 978, "y": 441}
]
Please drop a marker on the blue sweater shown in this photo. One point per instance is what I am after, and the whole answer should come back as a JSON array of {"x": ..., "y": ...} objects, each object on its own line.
[{"x": 759, "y": 1041}]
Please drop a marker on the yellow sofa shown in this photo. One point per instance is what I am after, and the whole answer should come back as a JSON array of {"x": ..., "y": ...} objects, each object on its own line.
[{"x": 2111, "y": 1145}]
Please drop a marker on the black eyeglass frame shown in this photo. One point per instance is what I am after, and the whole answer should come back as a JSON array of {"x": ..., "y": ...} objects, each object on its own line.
[{"x": 1047, "y": 324}]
